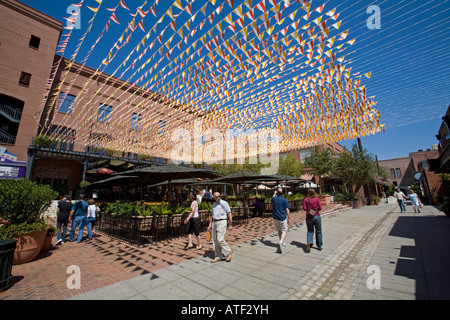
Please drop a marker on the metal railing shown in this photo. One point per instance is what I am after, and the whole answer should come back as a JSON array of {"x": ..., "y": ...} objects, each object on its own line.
[
  {"x": 13, "y": 113},
  {"x": 6, "y": 138}
]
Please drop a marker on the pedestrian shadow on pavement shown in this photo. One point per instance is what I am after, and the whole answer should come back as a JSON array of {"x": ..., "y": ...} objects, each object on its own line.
[{"x": 427, "y": 260}]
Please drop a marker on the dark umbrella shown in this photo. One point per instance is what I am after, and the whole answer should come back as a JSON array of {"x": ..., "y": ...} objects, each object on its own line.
[{"x": 168, "y": 172}]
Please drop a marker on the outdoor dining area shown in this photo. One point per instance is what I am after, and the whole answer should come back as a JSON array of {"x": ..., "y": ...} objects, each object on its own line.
[{"x": 149, "y": 204}]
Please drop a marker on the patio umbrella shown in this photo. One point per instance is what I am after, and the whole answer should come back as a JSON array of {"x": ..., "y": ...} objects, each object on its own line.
[
  {"x": 101, "y": 171},
  {"x": 308, "y": 184},
  {"x": 241, "y": 177},
  {"x": 168, "y": 172}
]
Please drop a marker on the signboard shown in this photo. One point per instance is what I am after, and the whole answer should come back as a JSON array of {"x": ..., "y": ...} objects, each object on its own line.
[{"x": 10, "y": 168}]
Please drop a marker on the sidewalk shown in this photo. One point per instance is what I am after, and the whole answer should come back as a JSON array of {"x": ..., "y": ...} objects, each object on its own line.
[{"x": 410, "y": 251}]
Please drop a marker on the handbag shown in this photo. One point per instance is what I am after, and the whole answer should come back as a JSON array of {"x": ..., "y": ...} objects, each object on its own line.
[
  {"x": 208, "y": 236},
  {"x": 312, "y": 213}
]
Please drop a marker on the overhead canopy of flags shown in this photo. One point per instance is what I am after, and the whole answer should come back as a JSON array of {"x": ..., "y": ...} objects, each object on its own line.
[{"x": 242, "y": 65}]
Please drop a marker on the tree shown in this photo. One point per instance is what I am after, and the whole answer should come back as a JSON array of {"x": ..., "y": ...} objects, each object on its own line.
[
  {"x": 320, "y": 161},
  {"x": 289, "y": 165},
  {"x": 357, "y": 167}
]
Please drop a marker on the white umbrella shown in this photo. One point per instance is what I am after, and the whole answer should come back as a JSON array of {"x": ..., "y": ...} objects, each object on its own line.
[
  {"x": 262, "y": 187},
  {"x": 308, "y": 184}
]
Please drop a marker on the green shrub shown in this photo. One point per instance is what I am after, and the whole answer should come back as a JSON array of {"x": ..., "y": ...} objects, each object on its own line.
[
  {"x": 22, "y": 205},
  {"x": 23, "y": 201}
]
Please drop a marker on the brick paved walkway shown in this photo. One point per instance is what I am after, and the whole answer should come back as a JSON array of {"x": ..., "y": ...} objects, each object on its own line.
[{"x": 105, "y": 261}]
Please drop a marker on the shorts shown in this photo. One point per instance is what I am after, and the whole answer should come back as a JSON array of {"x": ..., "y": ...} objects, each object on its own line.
[
  {"x": 193, "y": 226},
  {"x": 280, "y": 225}
]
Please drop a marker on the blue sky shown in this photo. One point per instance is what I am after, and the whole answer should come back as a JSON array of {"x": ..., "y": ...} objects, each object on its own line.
[{"x": 408, "y": 57}]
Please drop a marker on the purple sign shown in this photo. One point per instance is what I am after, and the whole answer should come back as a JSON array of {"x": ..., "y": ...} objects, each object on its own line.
[{"x": 12, "y": 169}]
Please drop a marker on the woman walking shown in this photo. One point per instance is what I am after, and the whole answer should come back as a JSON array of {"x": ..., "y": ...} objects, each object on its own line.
[
  {"x": 312, "y": 206},
  {"x": 415, "y": 201},
  {"x": 91, "y": 217},
  {"x": 192, "y": 223}
]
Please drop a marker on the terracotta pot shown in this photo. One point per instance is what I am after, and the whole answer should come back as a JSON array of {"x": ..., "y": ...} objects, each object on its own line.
[
  {"x": 47, "y": 244},
  {"x": 28, "y": 247}
]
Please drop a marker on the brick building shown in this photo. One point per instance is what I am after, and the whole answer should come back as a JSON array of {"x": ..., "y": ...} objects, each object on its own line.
[
  {"x": 27, "y": 36},
  {"x": 29, "y": 40}
]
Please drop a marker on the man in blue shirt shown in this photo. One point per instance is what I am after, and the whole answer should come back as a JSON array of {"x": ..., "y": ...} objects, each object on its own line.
[
  {"x": 281, "y": 216},
  {"x": 78, "y": 213}
]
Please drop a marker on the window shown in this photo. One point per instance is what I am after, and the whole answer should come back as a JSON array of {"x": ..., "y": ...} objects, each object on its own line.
[
  {"x": 35, "y": 42},
  {"x": 104, "y": 113},
  {"x": 392, "y": 174},
  {"x": 66, "y": 102},
  {"x": 305, "y": 153},
  {"x": 161, "y": 127},
  {"x": 136, "y": 121},
  {"x": 25, "y": 79},
  {"x": 399, "y": 173}
]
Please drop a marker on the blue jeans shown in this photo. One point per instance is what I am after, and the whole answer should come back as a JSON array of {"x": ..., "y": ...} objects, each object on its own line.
[
  {"x": 61, "y": 235},
  {"x": 90, "y": 224},
  {"x": 314, "y": 223},
  {"x": 401, "y": 204},
  {"x": 79, "y": 221}
]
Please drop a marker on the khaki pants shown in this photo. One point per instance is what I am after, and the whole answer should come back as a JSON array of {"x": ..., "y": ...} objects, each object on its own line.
[{"x": 218, "y": 231}]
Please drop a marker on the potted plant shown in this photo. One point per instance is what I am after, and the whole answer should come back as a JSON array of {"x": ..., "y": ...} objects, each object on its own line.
[
  {"x": 325, "y": 199},
  {"x": 43, "y": 141},
  {"x": 22, "y": 206}
]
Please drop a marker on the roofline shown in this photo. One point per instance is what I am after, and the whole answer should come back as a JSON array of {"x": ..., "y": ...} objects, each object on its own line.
[{"x": 33, "y": 14}]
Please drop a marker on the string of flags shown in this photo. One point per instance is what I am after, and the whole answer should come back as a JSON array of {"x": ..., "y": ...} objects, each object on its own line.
[{"x": 242, "y": 65}]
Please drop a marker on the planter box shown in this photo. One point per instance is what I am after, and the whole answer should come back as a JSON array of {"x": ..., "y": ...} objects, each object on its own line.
[
  {"x": 29, "y": 246},
  {"x": 325, "y": 200}
]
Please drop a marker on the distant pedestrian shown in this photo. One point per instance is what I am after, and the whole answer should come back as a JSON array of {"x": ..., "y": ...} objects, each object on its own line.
[
  {"x": 193, "y": 222},
  {"x": 91, "y": 217},
  {"x": 78, "y": 214},
  {"x": 281, "y": 217},
  {"x": 62, "y": 218},
  {"x": 221, "y": 212},
  {"x": 384, "y": 195},
  {"x": 400, "y": 196},
  {"x": 415, "y": 201},
  {"x": 312, "y": 206}
]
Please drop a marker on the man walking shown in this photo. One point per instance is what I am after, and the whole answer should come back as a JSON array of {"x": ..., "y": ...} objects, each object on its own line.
[
  {"x": 400, "y": 196},
  {"x": 78, "y": 213},
  {"x": 281, "y": 217},
  {"x": 221, "y": 212}
]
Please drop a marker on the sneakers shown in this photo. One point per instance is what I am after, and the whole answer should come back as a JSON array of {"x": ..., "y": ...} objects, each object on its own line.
[
  {"x": 59, "y": 242},
  {"x": 279, "y": 244}
]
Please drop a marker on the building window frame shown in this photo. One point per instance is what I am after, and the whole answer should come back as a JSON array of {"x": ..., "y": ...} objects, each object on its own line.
[
  {"x": 392, "y": 173},
  {"x": 104, "y": 113},
  {"x": 25, "y": 79},
  {"x": 35, "y": 42},
  {"x": 66, "y": 105}
]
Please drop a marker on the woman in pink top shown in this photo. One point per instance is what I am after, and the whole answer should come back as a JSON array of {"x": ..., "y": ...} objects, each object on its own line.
[{"x": 312, "y": 206}]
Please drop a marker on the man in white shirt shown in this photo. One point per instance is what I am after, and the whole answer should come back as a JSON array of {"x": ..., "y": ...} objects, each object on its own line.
[
  {"x": 400, "y": 196},
  {"x": 221, "y": 212}
]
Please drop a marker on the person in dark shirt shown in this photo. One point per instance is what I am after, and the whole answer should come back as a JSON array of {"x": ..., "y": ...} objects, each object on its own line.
[{"x": 62, "y": 218}]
